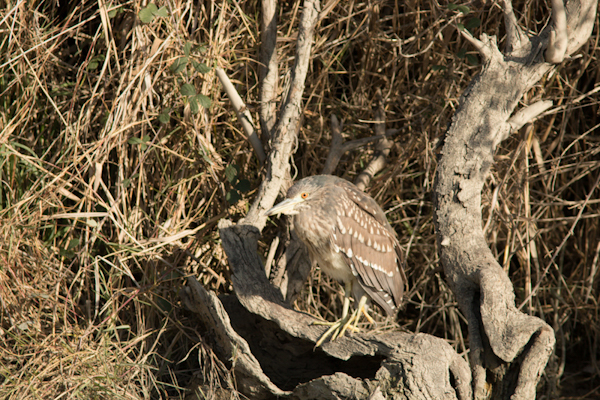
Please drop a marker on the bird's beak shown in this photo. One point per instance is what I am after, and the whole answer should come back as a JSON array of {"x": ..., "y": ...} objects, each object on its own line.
[{"x": 285, "y": 207}]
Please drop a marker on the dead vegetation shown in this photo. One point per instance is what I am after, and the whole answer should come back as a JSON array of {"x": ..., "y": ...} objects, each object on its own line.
[{"x": 114, "y": 175}]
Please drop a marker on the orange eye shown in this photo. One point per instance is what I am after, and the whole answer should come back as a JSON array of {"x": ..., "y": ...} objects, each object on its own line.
[{"x": 304, "y": 195}]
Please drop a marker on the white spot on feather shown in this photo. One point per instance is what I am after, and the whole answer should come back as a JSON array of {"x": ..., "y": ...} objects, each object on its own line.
[
  {"x": 381, "y": 269},
  {"x": 341, "y": 226}
]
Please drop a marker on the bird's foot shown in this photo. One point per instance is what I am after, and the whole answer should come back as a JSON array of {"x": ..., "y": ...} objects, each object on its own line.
[
  {"x": 337, "y": 328},
  {"x": 348, "y": 321}
]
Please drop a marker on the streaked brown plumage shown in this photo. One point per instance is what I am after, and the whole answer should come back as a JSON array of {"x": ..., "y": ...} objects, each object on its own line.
[{"x": 348, "y": 235}]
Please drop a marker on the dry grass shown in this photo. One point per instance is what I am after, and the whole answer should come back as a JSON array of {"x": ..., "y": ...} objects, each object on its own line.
[{"x": 104, "y": 209}]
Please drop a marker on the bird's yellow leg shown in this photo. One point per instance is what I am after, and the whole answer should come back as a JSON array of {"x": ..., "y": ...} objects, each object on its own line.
[
  {"x": 362, "y": 308},
  {"x": 338, "y": 327},
  {"x": 355, "y": 317}
]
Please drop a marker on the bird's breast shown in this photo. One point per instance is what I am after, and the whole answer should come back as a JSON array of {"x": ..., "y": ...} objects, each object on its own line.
[{"x": 316, "y": 235}]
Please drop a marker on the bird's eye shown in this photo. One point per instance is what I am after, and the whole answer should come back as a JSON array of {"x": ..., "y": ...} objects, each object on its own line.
[{"x": 304, "y": 195}]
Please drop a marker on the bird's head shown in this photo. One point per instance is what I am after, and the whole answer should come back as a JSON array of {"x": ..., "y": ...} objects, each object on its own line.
[{"x": 301, "y": 196}]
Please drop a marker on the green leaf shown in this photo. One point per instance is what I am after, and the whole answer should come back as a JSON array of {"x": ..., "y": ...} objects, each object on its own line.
[
  {"x": 438, "y": 68},
  {"x": 127, "y": 181},
  {"x": 161, "y": 12},
  {"x": 232, "y": 196},
  {"x": 231, "y": 172},
  {"x": 473, "y": 23},
  {"x": 72, "y": 244},
  {"x": 204, "y": 100},
  {"x": 146, "y": 14},
  {"x": 187, "y": 48},
  {"x": 194, "y": 105},
  {"x": 141, "y": 142},
  {"x": 456, "y": 7},
  {"x": 187, "y": 90},
  {"x": 462, "y": 53},
  {"x": 201, "y": 67},
  {"x": 178, "y": 65},
  {"x": 243, "y": 185},
  {"x": 472, "y": 59},
  {"x": 460, "y": 26},
  {"x": 112, "y": 13},
  {"x": 95, "y": 62},
  {"x": 164, "y": 305},
  {"x": 201, "y": 49},
  {"x": 165, "y": 116}
]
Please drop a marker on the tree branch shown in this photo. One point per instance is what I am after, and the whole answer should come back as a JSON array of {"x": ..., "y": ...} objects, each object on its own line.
[
  {"x": 268, "y": 70},
  {"x": 557, "y": 45},
  {"x": 286, "y": 129},
  {"x": 243, "y": 114},
  {"x": 505, "y": 342},
  {"x": 382, "y": 149}
]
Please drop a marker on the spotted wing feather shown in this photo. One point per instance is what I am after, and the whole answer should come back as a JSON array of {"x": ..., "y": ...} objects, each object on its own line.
[{"x": 369, "y": 245}]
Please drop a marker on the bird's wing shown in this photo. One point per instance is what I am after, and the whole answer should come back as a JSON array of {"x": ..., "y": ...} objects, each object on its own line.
[
  {"x": 372, "y": 251},
  {"x": 365, "y": 202}
]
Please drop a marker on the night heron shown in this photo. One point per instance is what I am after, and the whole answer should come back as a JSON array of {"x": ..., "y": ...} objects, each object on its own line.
[{"x": 349, "y": 237}]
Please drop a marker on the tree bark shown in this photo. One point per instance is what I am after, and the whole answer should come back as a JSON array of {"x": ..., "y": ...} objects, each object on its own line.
[
  {"x": 270, "y": 346},
  {"x": 508, "y": 349}
]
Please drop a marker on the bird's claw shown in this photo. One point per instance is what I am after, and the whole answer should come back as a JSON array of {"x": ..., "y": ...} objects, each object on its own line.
[{"x": 339, "y": 327}]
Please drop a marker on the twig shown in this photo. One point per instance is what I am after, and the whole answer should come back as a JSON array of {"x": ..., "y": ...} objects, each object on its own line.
[
  {"x": 382, "y": 149},
  {"x": 528, "y": 114},
  {"x": 271, "y": 256},
  {"x": 335, "y": 150},
  {"x": 482, "y": 46},
  {"x": 562, "y": 244},
  {"x": 243, "y": 114}
]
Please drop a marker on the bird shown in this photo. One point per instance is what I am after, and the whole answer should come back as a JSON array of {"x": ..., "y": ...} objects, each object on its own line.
[{"x": 348, "y": 235}]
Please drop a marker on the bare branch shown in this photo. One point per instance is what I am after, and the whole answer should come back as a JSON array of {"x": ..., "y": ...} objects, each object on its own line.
[
  {"x": 557, "y": 46},
  {"x": 581, "y": 16},
  {"x": 528, "y": 114},
  {"x": 336, "y": 148},
  {"x": 515, "y": 37},
  {"x": 268, "y": 71},
  {"x": 382, "y": 149},
  {"x": 229, "y": 342},
  {"x": 243, "y": 114},
  {"x": 285, "y": 131},
  {"x": 483, "y": 49},
  {"x": 417, "y": 365}
]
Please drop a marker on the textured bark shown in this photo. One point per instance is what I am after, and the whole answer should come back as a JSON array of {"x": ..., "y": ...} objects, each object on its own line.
[
  {"x": 402, "y": 365},
  {"x": 508, "y": 349}
]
